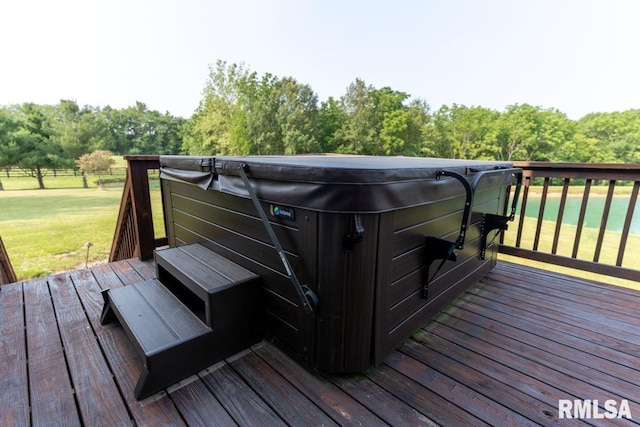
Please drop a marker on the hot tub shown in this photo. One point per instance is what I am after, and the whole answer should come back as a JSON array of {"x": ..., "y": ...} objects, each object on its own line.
[{"x": 384, "y": 243}]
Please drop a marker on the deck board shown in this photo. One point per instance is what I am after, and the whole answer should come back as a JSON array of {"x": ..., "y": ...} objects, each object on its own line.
[
  {"x": 503, "y": 353},
  {"x": 97, "y": 395},
  {"x": 14, "y": 404},
  {"x": 51, "y": 392}
]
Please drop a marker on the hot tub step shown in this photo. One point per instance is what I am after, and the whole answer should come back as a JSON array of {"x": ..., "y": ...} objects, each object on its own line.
[
  {"x": 164, "y": 332},
  {"x": 229, "y": 295}
]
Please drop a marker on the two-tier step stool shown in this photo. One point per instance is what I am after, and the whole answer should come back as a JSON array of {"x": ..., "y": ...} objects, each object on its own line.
[{"x": 202, "y": 308}]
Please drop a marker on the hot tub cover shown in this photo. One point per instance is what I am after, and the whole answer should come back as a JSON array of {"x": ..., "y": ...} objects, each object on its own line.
[{"x": 333, "y": 183}]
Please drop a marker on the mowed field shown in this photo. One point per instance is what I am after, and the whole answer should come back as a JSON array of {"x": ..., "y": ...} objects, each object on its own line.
[{"x": 46, "y": 231}]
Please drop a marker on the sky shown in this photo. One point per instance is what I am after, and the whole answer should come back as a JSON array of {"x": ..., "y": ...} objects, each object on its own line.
[{"x": 578, "y": 56}]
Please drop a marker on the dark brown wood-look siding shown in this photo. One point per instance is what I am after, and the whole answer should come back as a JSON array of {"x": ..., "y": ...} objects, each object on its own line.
[
  {"x": 400, "y": 308},
  {"x": 230, "y": 225},
  {"x": 369, "y": 295}
]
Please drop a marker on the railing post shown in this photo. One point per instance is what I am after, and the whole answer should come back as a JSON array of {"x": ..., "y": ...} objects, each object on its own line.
[{"x": 135, "y": 236}]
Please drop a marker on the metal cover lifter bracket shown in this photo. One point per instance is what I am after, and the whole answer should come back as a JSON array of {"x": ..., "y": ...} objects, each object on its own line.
[
  {"x": 515, "y": 171},
  {"x": 437, "y": 249},
  {"x": 444, "y": 250},
  {"x": 468, "y": 203},
  {"x": 497, "y": 222},
  {"x": 308, "y": 298}
]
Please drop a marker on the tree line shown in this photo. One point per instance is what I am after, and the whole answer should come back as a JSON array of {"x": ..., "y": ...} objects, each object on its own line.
[
  {"x": 242, "y": 112},
  {"x": 42, "y": 138}
]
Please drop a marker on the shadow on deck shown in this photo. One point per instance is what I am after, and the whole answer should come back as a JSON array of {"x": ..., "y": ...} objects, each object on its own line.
[{"x": 504, "y": 353}]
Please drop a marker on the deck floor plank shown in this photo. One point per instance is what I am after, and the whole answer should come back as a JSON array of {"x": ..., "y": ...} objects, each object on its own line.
[
  {"x": 145, "y": 269},
  {"x": 580, "y": 309},
  {"x": 463, "y": 397},
  {"x": 52, "y": 395},
  {"x": 503, "y": 353},
  {"x": 379, "y": 401},
  {"x": 559, "y": 342},
  {"x": 278, "y": 393},
  {"x": 95, "y": 390},
  {"x": 563, "y": 374},
  {"x": 331, "y": 399},
  {"x": 126, "y": 272},
  {"x": 616, "y": 298},
  {"x": 240, "y": 401},
  {"x": 529, "y": 397},
  {"x": 14, "y": 404},
  {"x": 535, "y": 342},
  {"x": 198, "y": 405},
  {"x": 563, "y": 281},
  {"x": 436, "y": 408},
  {"x": 564, "y": 324}
]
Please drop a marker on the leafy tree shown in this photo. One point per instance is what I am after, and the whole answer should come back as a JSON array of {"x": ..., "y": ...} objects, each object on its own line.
[
  {"x": 394, "y": 132},
  {"x": 78, "y": 131},
  {"x": 583, "y": 149},
  {"x": 331, "y": 117},
  {"x": 379, "y": 122},
  {"x": 420, "y": 130},
  {"x": 114, "y": 130},
  {"x": 462, "y": 132},
  {"x": 219, "y": 123},
  {"x": 29, "y": 144},
  {"x": 98, "y": 162},
  {"x": 297, "y": 117},
  {"x": 243, "y": 113},
  {"x": 137, "y": 130},
  {"x": 260, "y": 97},
  {"x": 8, "y": 126},
  {"x": 359, "y": 132},
  {"x": 617, "y": 134},
  {"x": 526, "y": 132}
]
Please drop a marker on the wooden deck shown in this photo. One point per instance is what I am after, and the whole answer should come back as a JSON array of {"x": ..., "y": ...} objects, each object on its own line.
[{"x": 502, "y": 354}]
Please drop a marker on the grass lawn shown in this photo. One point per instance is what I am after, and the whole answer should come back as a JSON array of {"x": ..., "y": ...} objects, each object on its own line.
[{"x": 45, "y": 231}]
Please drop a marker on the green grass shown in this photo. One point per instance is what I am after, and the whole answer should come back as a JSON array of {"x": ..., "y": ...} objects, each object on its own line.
[
  {"x": 21, "y": 181},
  {"x": 44, "y": 231}
]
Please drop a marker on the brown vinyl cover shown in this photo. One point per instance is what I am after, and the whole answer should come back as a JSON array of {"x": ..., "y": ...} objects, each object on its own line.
[{"x": 333, "y": 183}]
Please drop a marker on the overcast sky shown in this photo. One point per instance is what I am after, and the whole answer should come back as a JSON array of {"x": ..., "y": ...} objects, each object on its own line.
[{"x": 578, "y": 56}]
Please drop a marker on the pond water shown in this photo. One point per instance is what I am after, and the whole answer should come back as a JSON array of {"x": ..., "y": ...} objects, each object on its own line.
[{"x": 593, "y": 215}]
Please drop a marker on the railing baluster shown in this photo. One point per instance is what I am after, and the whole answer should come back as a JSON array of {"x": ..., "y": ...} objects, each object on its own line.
[
  {"x": 627, "y": 223},
  {"x": 605, "y": 218},
  {"x": 523, "y": 210},
  {"x": 543, "y": 201},
  {"x": 563, "y": 201},
  {"x": 583, "y": 212},
  {"x": 603, "y": 262}
]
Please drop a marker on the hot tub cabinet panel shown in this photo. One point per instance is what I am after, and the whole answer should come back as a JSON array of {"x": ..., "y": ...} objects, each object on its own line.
[
  {"x": 230, "y": 226},
  {"x": 355, "y": 230}
]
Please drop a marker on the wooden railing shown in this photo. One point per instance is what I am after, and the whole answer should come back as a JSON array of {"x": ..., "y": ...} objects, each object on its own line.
[
  {"x": 134, "y": 235},
  {"x": 7, "y": 275},
  {"x": 546, "y": 240}
]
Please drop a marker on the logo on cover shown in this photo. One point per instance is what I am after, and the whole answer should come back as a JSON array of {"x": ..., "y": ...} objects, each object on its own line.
[{"x": 283, "y": 212}]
